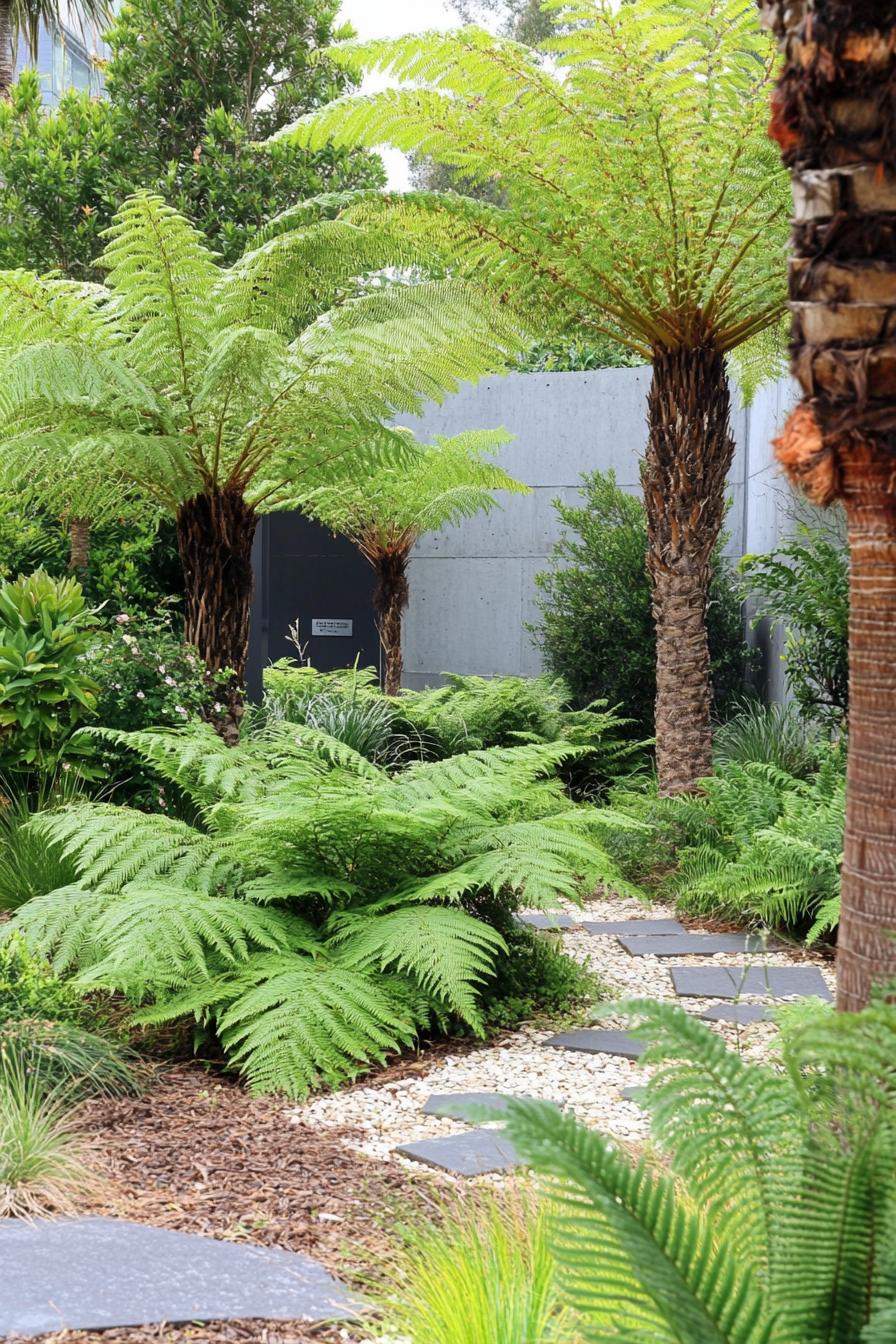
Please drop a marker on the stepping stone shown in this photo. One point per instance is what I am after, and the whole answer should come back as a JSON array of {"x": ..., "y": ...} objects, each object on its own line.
[
  {"x": 731, "y": 982},
  {"x": 743, "y": 1013},
  {"x": 546, "y": 920},
  {"x": 453, "y": 1104},
  {"x": 99, "y": 1273},
  {"x": 615, "y": 927},
  {"x": 594, "y": 1042},
  {"x": 691, "y": 944},
  {"x": 475, "y": 1153}
]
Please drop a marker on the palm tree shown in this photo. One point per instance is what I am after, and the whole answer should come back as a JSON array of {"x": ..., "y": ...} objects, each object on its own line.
[
  {"x": 23, "y": 18},
  {"x": 639, "y": 200},
  {"x": 218, "y": 393},
  {"x": 387, "y": 513},
  {"x": 833, "y": 118}
]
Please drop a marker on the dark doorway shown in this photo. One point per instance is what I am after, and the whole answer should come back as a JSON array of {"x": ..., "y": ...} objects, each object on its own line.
[{"x": 305, "y": 574}]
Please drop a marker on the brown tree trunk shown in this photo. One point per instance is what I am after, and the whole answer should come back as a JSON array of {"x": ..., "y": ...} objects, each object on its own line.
[
  {"x": 79, "y": 544},
  {"x": 7, "y": 55},
  {"x": 688, "y": 456},
  {"x": 214, "y": 538},
  {"x": 834, "y": 117},
  {"x": 390, "y": 599}
]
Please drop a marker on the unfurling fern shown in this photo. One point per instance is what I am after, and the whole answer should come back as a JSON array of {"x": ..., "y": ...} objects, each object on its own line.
[{"x": 320, "y": 912}]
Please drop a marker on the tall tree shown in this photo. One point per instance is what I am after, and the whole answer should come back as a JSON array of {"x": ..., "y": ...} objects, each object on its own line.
[
  {"x": 641, "y": 200},
  {"x": 834, "y": 118},
  {"x": 385, "y": 515},
  {"x": 23, "y": 18},
  {"x": 223, "y": 393}
]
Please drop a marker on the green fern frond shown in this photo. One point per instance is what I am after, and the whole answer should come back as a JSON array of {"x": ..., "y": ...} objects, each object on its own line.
[{"x": 447, "y": 952}]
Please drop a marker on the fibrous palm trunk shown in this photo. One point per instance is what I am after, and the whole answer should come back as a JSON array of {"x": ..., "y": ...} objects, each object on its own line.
[
  {"x": 7, "y": 54},
  {"x": 689, "y": 454},
  {"x": 390, "y": 600},
  {"x": 834, "y": 115},
  {"x": 79, "y": 544},
  {"x": 214, "y": 537}
]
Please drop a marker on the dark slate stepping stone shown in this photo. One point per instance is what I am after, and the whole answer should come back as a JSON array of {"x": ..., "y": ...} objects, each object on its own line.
[
  {"x": 615, "y": 927},
  {"x": 98, "y": 1273},
  {"x": 453, "y": 1104},
  {"x": 594, "y": 1042},
  {"x": 743, "y": 1013},
  {"x": 546, "y": 920},
  {"x": 730, "y": 982},
  {"x": 475, "y": 1153},
  {"x": 691, "y": 944}
]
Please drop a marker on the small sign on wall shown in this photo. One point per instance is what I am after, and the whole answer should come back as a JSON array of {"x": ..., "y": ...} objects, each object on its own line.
[{"x": 320, "y": 626}]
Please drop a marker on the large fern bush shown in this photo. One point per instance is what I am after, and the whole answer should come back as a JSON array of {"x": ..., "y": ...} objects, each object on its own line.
[
  {"x": 316, "y": 915},
  {"x": 769, "y": 1219}
]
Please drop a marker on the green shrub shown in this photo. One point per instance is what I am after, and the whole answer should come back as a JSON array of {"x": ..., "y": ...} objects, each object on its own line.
[
  {"x": 29, "y": 989},
  {"x": 803, "y": 588},
  {"x": 773, "y": 734},
  {"x": 313, "y": 914},
  {"x": 45, "y": 692},
  {"x": 596, "y": 627},
  {"x": 482, "y": 1273},
  {"x": 770, "y": 1219}
]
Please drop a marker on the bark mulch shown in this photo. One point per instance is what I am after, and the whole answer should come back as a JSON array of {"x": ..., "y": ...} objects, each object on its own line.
[{"x": 198, "y": 1154}]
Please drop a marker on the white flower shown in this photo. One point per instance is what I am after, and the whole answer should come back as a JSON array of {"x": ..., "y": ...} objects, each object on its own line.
[
  {"x": 162, "y": 669},
  {"x": 140, "y": 695},
  {"x": 169, "y": 681},
  {"x": 179, "y": 709},
  {"x": 123, "y": 618}
]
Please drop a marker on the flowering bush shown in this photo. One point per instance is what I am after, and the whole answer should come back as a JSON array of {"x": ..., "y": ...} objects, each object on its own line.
[{"x": 148, "y": 679}]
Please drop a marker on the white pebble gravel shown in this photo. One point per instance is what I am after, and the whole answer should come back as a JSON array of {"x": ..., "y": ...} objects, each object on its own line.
[{"x": 383, "y": 1115}]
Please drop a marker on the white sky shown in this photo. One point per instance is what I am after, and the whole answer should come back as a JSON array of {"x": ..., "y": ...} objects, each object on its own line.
[{"x": 391, "y": 18}]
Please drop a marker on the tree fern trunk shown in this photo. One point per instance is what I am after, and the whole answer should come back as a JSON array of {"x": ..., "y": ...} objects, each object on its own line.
[
  {"x": 688, "y": 456},
  {"x": 390, "y": 599},
  {"x": 7, "y": 61},
  {"x": 834, "y": 117},
  {"x": 214, "y": 538},
  {"x": 79, "y": 545}
]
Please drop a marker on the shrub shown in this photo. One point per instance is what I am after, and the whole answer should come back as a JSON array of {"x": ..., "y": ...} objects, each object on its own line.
[
  {"x": 596, "y": 627},
  {"x": 483, "y": 1273},
  {"x": 313, "y": 913},
  {"x": 345, "y": 705},
  {"x": 29, "y": 989},
  {"x": 772, "y": 734},
  {"x": 45, "y": 690},
  {"x": 803, "y": 588},
  {"x": 42, "y": 1167},
  {"x": 770, "y": 1218}
]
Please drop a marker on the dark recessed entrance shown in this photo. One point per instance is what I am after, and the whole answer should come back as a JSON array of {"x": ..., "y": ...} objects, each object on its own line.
[{"x": 303, "y": 573}]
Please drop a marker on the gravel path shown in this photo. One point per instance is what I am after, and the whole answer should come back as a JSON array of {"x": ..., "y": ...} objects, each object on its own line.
[{"x": 382, "y": 1116}]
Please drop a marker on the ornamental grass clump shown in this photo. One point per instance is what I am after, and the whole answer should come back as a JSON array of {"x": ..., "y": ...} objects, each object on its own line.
[{"x": 42, "y": 1152}]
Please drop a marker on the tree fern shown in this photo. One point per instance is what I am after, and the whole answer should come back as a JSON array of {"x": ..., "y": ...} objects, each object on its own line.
[{"x": 319, "y": 911}]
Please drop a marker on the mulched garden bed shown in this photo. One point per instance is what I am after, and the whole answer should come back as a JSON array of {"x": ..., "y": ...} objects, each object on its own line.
[{"x": 198, "y": 1154}]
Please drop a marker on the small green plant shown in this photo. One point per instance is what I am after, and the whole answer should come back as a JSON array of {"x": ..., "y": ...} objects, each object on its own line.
[
  {"x": 68, "y": 1060},
  {"x": 770, "y": 1220},
  {"x": 482, "y": 1273},
  {"x": 29, "y": 866},
  {"x": 45, "y": 692},
  {"x": 774, "y": 734},
  {"x": 803, "y": 588},
  {"x": 597, "y": 627},
  {"x": 29, "y": 989},
  {"x": 317, "y": 915},
  {"x": 42, "y": 1167}
]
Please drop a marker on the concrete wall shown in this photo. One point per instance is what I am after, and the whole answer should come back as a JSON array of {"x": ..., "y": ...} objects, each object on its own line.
[{"x": 473, "y": 586}]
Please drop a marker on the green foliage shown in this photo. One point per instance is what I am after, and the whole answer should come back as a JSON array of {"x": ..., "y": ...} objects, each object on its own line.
[
  {"x": 29, "y": 989},
  {"x": 28, "y": 865},
  {"x": 318, "y": 912},
  {"x": 772, "y": 734},
  {"x": 641, "y": 198},
  {"x": 755, "y": 845},
  {"x": 68, "y": 1060},
  {"x": 492, "y": 1255},
  {"x": 45, "y": 692},
  {"x": 803, "y": 589},
  {"x": 41, "y": 1152},
  {"x": 189, "y": 89},
  {"x": 439, "y": 485},
  {"x": 268, "y": 379},
  {"x": 597, "y": 629},
  {"x": 770, "y": 1222},
  {"x": 577, "y": 354}
]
